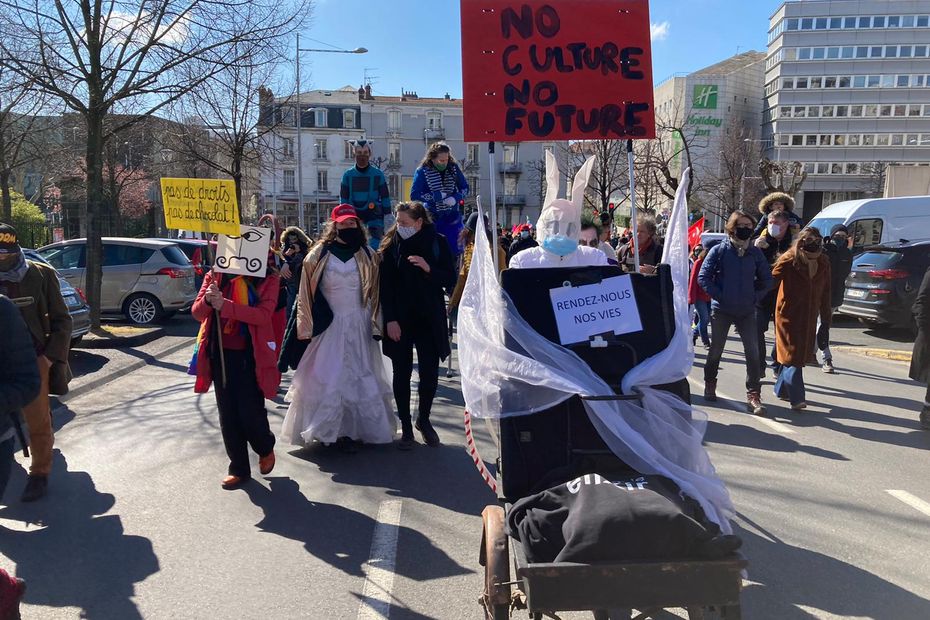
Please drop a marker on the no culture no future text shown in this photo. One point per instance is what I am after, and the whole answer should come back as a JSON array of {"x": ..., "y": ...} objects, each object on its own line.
[{"x": 620, "y": 120}]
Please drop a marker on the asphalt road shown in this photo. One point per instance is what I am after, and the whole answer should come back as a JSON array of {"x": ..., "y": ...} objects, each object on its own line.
[{"x": 137, "y": 526}]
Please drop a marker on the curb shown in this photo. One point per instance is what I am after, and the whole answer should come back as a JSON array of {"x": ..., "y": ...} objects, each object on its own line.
[
  {"x": 888, "y": 354},
  {"x": 127, "y": 342},
  {"x": 122, "y": 372}
]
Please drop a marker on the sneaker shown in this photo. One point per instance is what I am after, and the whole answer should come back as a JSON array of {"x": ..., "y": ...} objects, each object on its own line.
[
  {"x": 430, "y": 436},
  {"x": 266, "y": 463},
  {"x": 925, "y": 417},
  {"x": 710, "y": 390},
  {"x": 754, "y": 403},
  {"x": 36, "y": 488},
  {"x": 828, "y": 367},
  {"x": 799, "y": 406}
]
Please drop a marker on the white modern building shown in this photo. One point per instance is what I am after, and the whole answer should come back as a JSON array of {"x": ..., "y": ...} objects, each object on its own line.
[
  {"x": 401, "y": 128},
  {"x": 847, "y": 91}
]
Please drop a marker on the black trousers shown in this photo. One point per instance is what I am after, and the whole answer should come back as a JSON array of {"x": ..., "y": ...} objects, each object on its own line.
[
  {"x": 243, "y": 418},
  {"x": 417, "y": 334}
]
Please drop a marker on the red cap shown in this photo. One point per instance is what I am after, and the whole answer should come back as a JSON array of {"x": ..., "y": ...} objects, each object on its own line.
[{"x": 342, "y": 213}]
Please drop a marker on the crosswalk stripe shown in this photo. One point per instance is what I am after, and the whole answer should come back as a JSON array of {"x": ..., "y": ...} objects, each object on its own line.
[
  {"x": 379, "y": 570},
  {"x": 911, "y": 500}
]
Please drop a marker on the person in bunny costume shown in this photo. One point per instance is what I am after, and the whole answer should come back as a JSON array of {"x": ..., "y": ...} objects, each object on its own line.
[{"x": 559, "y": 226}]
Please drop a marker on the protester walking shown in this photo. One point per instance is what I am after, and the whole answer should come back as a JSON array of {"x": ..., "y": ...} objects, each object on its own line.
[
  {"x": 774, "y": 240},
  {"x": 836, "y": 249},
  {"x": 646, "y": 244},
  {"x": 416, "y": 267},
  {"x": 244, "y": 370},
  {"x": 699, "y": 298},
  {"x": 295, "y": 245},
  {"x": 46, "y": 315},
  {"x": 920, "y": 360},
  {"x": 365, "y": 188},
  {"x": 523, "y": 240},
  {"x": 736, "y": 276},
  {"x": 467, "y": 241},
  {"x": 19, "y": 382},
  {"x": 440, "y": 185},
  {"x": 802, "y": 277},
  {"x": 341, "y": 393}
]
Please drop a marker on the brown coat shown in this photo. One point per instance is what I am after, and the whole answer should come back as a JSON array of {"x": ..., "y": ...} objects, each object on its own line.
[{"x": 800, "y": 300}]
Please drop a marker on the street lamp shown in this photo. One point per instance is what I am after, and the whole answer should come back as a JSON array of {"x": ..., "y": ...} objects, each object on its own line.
[{"x": 300, "y": 175}]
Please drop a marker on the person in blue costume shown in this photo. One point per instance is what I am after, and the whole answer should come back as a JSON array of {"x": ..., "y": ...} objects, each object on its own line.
[
  {"x": 365, "y": 188},
  {"x": 440, "y": 185}
]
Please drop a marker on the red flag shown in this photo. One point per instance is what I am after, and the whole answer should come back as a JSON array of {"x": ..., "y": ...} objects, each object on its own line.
[{"x": 694, "y": 233}]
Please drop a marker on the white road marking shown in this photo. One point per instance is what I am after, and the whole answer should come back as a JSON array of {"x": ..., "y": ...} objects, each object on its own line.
[
  {"x": 379, "y": 570},
  {"x": 911, "y": 500},
  {"x": 776, "y": 426}
]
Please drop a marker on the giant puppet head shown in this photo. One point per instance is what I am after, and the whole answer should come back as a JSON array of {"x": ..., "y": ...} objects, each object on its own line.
[{"x": 559, "y": 224}]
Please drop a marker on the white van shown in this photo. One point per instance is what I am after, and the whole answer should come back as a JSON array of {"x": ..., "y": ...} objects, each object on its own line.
[{"x": 878, "y": 220}]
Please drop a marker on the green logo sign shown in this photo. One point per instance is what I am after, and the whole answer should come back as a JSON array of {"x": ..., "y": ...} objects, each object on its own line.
[{"x": 705, "y": 97}]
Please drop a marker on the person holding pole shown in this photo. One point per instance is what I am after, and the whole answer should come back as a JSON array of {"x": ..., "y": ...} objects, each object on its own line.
[{"x": 236, "y": 352}]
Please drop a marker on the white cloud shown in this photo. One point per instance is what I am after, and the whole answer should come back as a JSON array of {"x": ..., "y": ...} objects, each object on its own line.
[{"x": 659, "y": 32}]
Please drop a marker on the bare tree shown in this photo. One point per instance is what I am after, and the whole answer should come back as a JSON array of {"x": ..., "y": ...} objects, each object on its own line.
[
  {"x": 785, "y": 177},
  {"x": 610, "y": 177},
  {"x": 100, "y": 58},
  {"x": 227, "y": 123},
  {"x": 733, "y": 186},
  {"x": 873, "y": 186}
]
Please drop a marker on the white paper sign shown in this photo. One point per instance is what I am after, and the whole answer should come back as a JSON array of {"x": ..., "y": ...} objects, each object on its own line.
[
  {"x": 585, "y": 311},
  {"x": 245, "y": 254}
]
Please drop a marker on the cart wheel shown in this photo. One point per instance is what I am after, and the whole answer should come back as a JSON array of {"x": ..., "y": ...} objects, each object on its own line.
[{"x": 495, "y": 557}]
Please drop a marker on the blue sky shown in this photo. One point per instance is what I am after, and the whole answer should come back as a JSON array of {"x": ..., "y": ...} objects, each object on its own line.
[{"x": 416, "y": 45}]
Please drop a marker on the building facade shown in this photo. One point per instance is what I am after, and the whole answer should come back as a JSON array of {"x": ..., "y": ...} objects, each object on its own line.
[
  {"x": 710, "y": 105},
  {"x": 847, "y": 92},
  {"x": 401, "y": 128}
]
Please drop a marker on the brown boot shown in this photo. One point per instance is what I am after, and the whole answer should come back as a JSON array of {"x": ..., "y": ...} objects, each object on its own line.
[
  {"x": 710, "y": 390},
  {"x": 754, "y": 403}
]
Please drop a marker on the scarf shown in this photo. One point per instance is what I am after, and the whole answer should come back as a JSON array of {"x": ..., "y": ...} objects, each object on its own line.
[
  {"x": 811, "y": 262},
  {"x": 741, "y": 246},
  {"x": 17, "y": 272},
  {"x": 243, "y": 293}
]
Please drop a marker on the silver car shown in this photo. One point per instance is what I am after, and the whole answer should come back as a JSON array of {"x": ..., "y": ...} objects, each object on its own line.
[
  {"x": 144, "y": 280},
  {"x": 74, "y": 299}
]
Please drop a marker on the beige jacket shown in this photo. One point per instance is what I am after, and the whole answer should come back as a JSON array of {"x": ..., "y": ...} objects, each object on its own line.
[{"x": 313, "y": 267}]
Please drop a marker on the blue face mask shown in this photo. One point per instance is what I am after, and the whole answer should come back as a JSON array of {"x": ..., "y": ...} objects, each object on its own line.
[{"x": 560, "y": 245}]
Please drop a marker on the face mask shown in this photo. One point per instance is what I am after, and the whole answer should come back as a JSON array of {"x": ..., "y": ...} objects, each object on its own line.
[
  {"x": 440, "y": 167},
  {"x": 350, "y": 236},
  {"x": 775, "y": 229},
  {"x": 560, "y": 245},
  {"x": 524, "y": 234},
  {"x": 812, "y": 248},
  {"x": 406, "y": 232},
  {"x": 743, "y": 234}
]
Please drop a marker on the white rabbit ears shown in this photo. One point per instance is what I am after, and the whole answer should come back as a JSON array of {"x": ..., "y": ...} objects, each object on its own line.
[{"x": 578, "y": 186}]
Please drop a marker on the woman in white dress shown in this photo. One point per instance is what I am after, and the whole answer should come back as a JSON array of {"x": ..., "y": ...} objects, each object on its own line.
[{"x": 341, "y": 392}]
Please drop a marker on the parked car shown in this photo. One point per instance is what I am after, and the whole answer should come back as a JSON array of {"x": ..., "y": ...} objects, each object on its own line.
[
  {"x": 878, "y": 220},
  {"x": 196, "y": 251},
  {"x": 74, "y": 299},
  {"x": 883, "y": 283},
  {"x": 143, "y": 279}
]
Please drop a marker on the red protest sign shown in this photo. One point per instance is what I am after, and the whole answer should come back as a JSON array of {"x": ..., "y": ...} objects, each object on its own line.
[{"x": 557, "y": 70}]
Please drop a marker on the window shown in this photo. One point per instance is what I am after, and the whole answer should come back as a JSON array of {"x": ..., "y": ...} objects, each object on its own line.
[
  {"x": 829, "y": 82},
  {"x": 882, "y": 139},
  {"x": 287, "y": 116},
  {"x": 348, "y": 151},
  {"x": 820, "y": 23},
  {"x": 874, "y": 81},
  {"x": 833, "y": 53},
  {"x": 868, "y": 140},
  {"x": 866, "y": 232},
  {"x": 849, "y": 52},
  {"x": 510, "y": 154},
  {"x": 801, "y": 83},
  {"x": 818, "y": 53},
  {"x": 871, "y": 110},
  {"x": 844, "y": 81},
  {"x": 784, "y": 112},
  {"x": 920, "y": 51},
  {"x": 839, "y": 140},
  {"x": 474, "y": 153},
  {"x": 865, "y": 22},
  {"x": 855, "y": 110},
  {"x": 807, "y": 24},
  {"x": 394, "y": 120},
  {"x": 886, "y": 110},
  {"x": 912, "y": 139},
  {"x": 859, "y": 81},
  {"x": 888, "y": 81},
  {"x": 825, "y": 139},
  {"x": 897, "y": 140},
  {"x": 434, "y": 120},
  {"x": 823, "y": 168},
  {"x": 816, "y": 82},
  {"x": 907, "y": 21},
  {"x": 862, "y": 52},
  {"x": 852, "y": 168},
  {"x": 836, "y": 23},
  {"x": 289, "y": 185},
  {"x": 923, "y": 21},
  {"x": 348, "y": 119},
  {"x": 906, "y": 51},
  {"x": 796, "y": 141},
  {"x": 791, "y": 24},
  {"x": 65, "y": 257},
  {"x": 116, "y": 255},
  {"x": 827, "y": 111},
  {"x": 813, "y": 111},
  {"x": 878, "y": 21},
  {"x": 900, "y": 110},
  {"x": 894, "y": 21},
  {"x": 849, "y": 22},
  {"x": 394, "y": 153},
  {"x": 319, "y": 148},
  {"x": 836, "y": 168},
  {"x": 842, "y": 110},
  {"x": 903, "y": 81},
  {"x": 810, "y": 140},
  {"x": 320, "y": 118},
  {"x": 853, "y": 139},
  {"x": 287, "y": 147},
  {"x": 891, "y": 51},
  {"x": 787, "y": 83},
  {"x": 322, "y": 180},
  {"x": 804, "y": 53}
]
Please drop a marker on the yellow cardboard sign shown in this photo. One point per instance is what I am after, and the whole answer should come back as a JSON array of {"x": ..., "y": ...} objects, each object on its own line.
[{"x": 200, "y": 205}]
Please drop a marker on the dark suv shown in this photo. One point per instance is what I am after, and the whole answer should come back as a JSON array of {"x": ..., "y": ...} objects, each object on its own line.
[{"x": 883, "y": 283}]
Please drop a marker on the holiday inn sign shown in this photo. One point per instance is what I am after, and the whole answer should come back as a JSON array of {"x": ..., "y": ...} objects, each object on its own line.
[{"x": 705, "y": 97}]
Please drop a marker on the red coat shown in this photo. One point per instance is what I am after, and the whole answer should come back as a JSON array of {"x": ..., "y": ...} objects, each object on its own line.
[
  {"x": 695, "y": 292},
  {"x": 259, "y": 320}
]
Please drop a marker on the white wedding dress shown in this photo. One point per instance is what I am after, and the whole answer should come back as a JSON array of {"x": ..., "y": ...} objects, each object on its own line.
[{"x": 341, "y": 387}]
